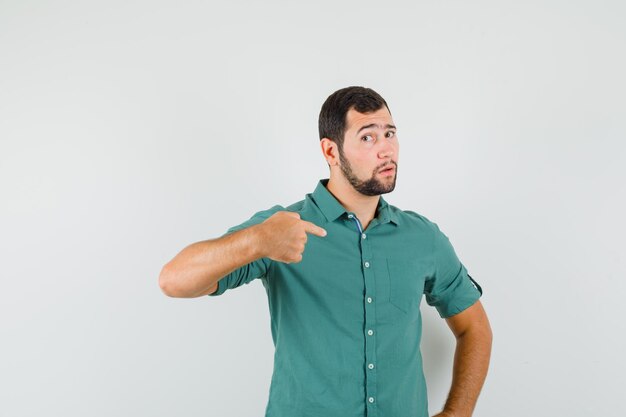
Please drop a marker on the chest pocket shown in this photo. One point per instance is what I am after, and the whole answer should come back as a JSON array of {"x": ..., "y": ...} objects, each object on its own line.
[{"x": 406, "y": 283}]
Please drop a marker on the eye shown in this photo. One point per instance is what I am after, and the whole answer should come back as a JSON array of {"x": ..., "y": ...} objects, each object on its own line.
[
  {"x": 389, "y": 134},
  {"x": 366, "y": 136}
]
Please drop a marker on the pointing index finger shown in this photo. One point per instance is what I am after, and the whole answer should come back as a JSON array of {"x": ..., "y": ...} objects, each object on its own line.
[{"x": 314, "y": 229}]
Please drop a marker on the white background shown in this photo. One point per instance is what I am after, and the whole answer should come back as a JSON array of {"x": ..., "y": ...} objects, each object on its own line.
[{"x": 130, "y": 129}]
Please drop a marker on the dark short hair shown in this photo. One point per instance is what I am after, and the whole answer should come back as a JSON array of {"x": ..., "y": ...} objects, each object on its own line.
[{"x": 332, "y": 120}]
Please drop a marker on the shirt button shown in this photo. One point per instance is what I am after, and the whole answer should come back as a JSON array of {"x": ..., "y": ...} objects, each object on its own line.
[
  {"x": 350, "y": 216},
  {"x": 367, "y": 264},
  {"x": 371, "y": 366},
  {"x": 363, "y": 236},
  {"x": 370, "y": 332},
  {"x": 369, "y": 299},
  {"x": 371, "y": 399}
]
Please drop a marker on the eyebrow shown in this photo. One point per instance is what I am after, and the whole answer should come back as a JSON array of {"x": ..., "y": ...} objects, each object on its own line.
[{"x": 388, "y": 126}]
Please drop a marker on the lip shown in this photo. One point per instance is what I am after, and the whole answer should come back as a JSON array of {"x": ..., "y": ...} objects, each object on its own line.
[{"x": 388, "y": 171}]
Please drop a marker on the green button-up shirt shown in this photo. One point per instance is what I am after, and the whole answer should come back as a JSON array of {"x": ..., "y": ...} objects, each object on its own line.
[{"x": 345, "y": 320}]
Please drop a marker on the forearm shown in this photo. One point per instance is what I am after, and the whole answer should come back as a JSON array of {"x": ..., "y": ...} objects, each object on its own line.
[
  {"x": 199, "y": 266},
  {"x": 471, "y": 362}
]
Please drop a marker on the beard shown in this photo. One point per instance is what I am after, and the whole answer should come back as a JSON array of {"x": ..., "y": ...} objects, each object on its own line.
[{"x": 371, "y": 186}]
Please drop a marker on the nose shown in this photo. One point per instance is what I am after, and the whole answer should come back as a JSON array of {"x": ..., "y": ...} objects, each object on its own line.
[{"x": 386, "y": 150}]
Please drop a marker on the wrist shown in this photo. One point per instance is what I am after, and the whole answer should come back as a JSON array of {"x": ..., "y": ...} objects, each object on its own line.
[
  {"x": 451, "y": 413},
  {"x": 255, "y": 241},
  {"x": 448, "y": 413}
]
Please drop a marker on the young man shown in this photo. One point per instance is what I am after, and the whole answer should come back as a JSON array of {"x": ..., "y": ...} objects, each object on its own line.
[{"x": 344, "y": 274}]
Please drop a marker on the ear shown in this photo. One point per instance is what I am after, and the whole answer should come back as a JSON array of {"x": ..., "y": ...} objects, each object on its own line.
[{"x": 329, "y": 150}]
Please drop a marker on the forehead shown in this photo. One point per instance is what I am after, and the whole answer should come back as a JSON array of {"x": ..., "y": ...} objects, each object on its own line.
[{"x": 355, "y": 120}]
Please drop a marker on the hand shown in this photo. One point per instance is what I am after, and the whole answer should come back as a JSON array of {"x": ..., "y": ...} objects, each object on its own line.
[
  {"x": 444, "y": 414},
  {"x": 283, "y": 236}
]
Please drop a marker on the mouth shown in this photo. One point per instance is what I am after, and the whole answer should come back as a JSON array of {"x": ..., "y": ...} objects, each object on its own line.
[{"x": 388, "y": 171}]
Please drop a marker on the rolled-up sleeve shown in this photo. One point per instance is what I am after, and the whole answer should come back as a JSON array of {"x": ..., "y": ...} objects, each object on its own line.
[
  {"x": 450, "y": 289},
  {"x": 253, "y": 270}
]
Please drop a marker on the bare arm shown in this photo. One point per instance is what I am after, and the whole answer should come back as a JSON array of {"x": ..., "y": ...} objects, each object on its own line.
[
  {"x": 195, "y": 271},
  {"x": 471, "y": 360}
]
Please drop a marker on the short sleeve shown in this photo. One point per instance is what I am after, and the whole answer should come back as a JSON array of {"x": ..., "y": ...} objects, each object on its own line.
[
  {"x": 450, "y": 289},
  {"x": 255, "y": 269}
]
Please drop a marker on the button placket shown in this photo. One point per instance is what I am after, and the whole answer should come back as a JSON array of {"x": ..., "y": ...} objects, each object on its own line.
[{"x": 370, "y": 319}]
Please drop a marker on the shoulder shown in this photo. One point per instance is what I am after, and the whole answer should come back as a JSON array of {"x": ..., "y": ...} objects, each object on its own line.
[
  {"x": 414, "y": 219},
  {"x": 417, "y": 223},
  {"x": 297, "y": 207},
  {"x": 256, "y": 218},
  {"x": 268, "y": 212},
  {"x": 307, "y": 211}
]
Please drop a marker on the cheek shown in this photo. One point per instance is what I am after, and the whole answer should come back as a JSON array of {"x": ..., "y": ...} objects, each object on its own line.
[{"x": 358, "y": 157}]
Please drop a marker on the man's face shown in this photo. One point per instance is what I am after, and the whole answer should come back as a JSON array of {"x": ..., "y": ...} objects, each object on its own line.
[{"x": 370, "y": 145}]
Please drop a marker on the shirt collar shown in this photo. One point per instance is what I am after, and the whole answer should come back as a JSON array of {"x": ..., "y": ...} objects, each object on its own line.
[{"x": 332, "y": 208}]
